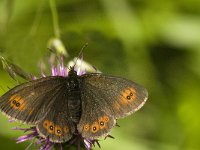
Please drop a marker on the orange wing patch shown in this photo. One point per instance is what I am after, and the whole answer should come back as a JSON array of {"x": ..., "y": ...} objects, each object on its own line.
[
  {"x": 95, "y": 127},
  {"x": 51, "y": 127},
  {"x": 128, "y": 95},
  {"x": 102, "y": 123},
  {"x": 66, "y": 129},
  {"x": 106, "y": 118},
  {"x": 17, "y": 102},
  {"x": 46, "y": 124},
  {"x": 86, "y": 127},
  {"x": 116, "y": 106},
  {"x": 58, "y": 130},
  {"x": 55, "y": 129}
]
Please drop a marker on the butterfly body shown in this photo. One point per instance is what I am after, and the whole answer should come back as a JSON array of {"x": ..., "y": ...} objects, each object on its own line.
[
  {"x": 61, "y": 106},
  {"x": 73, "y": 97}
]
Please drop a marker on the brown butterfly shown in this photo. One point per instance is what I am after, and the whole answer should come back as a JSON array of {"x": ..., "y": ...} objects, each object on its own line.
[{"x": 59, "y": 106}]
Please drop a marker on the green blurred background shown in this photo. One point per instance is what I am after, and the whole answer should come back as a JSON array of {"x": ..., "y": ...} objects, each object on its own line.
[{"x": 155, "y": 43}]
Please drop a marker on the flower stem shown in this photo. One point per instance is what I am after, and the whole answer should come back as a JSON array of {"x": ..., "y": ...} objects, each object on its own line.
[{"x": 55, "y": 18}]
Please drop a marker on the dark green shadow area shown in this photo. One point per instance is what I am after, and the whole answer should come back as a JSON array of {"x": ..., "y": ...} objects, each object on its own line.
[{"x": 10, "y": 144}]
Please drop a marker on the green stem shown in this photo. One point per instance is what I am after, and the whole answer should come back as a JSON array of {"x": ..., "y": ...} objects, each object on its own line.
[{"x": 55, "y": 18}]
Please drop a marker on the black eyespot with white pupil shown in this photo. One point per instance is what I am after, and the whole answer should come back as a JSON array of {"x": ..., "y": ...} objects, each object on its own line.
[
  {"x": 128, "y": 97},
  {"x": 58, "y": 131},
  {"x": 17, "y": 104},
  {"x": 51, "y": 127},
  {"x": 94, "y": 128},
  {"x": 14, "y": 102},
  {"x": 101, "y": 123}
]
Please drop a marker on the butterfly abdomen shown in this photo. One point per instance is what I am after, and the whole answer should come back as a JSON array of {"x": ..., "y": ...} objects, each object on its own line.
[
  {"x": 74, "y": 99},
  {"x": 74, "y": 106}
]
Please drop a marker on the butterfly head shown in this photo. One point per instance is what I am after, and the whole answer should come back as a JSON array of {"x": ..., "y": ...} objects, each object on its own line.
[{"x": 72, "y": 72}]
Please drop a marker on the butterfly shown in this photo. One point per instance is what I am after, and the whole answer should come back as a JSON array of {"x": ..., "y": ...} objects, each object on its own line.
[{"x": 60, "y": 106}]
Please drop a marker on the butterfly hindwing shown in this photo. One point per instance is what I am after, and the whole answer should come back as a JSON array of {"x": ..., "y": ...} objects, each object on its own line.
[
  {"x": 95, "y": 121},
  {"x": 30, "y": 101},
  {"x": 57, "y": 125},
  {"x": 109, "y": 97}
]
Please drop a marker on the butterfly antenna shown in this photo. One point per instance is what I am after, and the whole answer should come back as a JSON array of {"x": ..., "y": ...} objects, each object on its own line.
[
  {"x": 80, "y": 55},
  {"x": 54, "y": 52},
  {"x": 51, "y": 50}
]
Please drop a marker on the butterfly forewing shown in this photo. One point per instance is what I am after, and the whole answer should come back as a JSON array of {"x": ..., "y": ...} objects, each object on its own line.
[
  {"x": 44, "y": 103},
  {"x": 119, "y": 96},
  {"x": 30, "y": 101}
]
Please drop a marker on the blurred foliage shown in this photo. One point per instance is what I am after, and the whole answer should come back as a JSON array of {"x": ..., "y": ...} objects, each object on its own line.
[{"x": 155, "y": 43}]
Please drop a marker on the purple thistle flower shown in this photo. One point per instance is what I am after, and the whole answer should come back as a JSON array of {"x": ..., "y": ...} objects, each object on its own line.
[{"x": 45, "y": 144}]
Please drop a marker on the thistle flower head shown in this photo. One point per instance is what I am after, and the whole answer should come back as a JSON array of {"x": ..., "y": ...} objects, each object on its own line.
[{"x": 45, "y": 144}]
